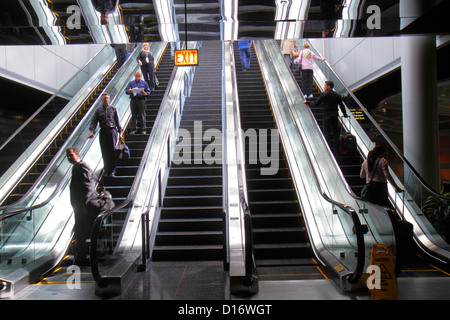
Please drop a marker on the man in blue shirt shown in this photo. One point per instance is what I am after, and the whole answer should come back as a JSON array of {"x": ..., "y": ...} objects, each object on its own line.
[
  {"x": 245, "y": 53},
  {"x": 138, "y": 90}
]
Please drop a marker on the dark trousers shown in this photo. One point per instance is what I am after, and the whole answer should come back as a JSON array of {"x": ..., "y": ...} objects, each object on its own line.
[
  {"x": 307, "y": 81},
  {"x": 148, "y": 71},
  {"x": 82, "y": 231},
  {"x": 331, "y": 130},
  {"x": 108, "y": 143},
  {"x": 138, "y": 114},
  {"x": 379, "y": 194},
  {"x": 121, "y": 54}
]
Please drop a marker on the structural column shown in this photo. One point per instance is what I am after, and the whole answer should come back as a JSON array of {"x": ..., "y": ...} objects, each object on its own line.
[{"x": 420, "y": 112}]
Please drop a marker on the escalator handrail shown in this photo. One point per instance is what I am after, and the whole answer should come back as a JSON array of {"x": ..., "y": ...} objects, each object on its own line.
[
  {"x": 249, "y": 260},
  {"x": 249, "y": 247},
  {"x": 6, "y": 214},
  {"x": 50, "y": 99},
  {"x": 353, "y": 277},
  {"x": 385, "y": 136}
]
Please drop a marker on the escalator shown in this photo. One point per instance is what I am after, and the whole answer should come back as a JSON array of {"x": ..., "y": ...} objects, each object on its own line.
[
  {"x": 31, "y": 131},
  {"x": 413, "y": 261},
  {"x": 281, "y": 244},
  {"x": 36, "y": 237},
  {"x": 191, "y": 224},
  {"x": 119, "y": 186}
]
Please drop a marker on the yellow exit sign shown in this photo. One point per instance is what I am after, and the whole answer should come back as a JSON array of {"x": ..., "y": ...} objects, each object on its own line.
[{"x": 186, "y": 57}]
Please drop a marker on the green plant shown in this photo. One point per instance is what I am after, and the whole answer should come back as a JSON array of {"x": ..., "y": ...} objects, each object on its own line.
[{"x": 437, "y": 210}]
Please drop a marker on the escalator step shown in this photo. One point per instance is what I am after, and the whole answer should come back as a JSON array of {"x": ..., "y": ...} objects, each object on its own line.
[{"x": 188, "y": 253}]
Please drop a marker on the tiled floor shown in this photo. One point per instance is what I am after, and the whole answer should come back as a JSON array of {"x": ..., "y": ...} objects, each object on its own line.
[
  {"x": 207, "y": 281},
  {"x": 180, "y": 281},
  {"x": 188, "y": 280}
]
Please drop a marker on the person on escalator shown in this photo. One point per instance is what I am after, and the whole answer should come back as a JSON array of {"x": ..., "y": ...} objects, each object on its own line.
[
  {"x": 82, "y": 190},
  {"x": 107, "y": 118},
  {"x": 244, "y": 53},
  {"x": 375, "y": 170},
  {"x": 305, "y": 60},
  {"x": 138, "y": 90},
  {"x": 288, "y": 46},
  {"x": 331, "y": 100},
  {"x": 147, "y": 63}
]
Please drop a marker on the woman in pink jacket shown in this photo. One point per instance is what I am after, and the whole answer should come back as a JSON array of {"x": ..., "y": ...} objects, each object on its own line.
[{"x": 305, "y": 60}]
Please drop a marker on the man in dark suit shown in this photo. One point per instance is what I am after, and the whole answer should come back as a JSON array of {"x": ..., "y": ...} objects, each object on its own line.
[
  {"x": 82, "y": 190},
  {"x": 107, "y": 118},
  {"x": 331, "y": 100}
]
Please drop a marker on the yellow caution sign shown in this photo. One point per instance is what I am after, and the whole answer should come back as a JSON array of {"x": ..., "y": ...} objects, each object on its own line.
[{"x": 382, "y": 282}]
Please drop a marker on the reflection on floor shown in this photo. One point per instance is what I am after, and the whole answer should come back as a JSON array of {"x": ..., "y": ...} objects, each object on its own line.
[
  {"x": 207, "y": 281},
  {"x": 191, "y": 280}
]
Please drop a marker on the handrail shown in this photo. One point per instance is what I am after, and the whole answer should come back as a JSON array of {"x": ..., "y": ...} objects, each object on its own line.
[
  {"x": 353, "y": 277},
  {"x": 235, "y": 167},
  {"x": 249, "y": 246},
  {"x": 385, "y": 136},
  {"x": 30, "y": 118}
]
